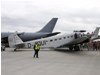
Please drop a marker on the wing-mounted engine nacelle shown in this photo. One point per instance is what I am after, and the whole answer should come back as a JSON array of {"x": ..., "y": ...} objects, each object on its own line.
[
  {"x": 82, "y": 31},
  {"x": 79, "y": 33}
]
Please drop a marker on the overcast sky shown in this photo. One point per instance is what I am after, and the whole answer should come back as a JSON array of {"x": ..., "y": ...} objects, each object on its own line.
[{"x": 32, "y": 15}]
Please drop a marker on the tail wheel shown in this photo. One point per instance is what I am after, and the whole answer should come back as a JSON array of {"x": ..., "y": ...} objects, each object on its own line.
[{"x": 15, "y": 49}]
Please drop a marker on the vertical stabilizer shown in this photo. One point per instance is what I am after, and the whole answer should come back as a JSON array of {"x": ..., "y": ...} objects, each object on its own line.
[
  {"x": 14, "y": 40},
  {"x": 96, "y": 32},
  {"x": 50, "y": 26}
]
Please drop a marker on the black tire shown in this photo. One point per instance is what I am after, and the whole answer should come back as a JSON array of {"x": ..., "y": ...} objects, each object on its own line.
[
  {"x": 3, "y": 49},
  {"x": 76, "y": 48},
  {"x": 14, "y": 49},
  {"x": 71, "y": 48}
]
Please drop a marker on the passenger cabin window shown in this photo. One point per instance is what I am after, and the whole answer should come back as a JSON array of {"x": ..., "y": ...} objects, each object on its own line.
[
  {"x": 71, "y": 36},
  {"x": 67, "y": 36},
  {"x": 59, "y": 38},
  {"x": 51, "y": 40},
  {"x": 55, "y": 39},
  {"x": 64, "y": 37}
]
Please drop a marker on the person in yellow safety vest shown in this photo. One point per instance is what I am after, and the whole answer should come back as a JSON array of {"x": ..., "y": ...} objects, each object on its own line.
[{"x": 36, "y": 49}]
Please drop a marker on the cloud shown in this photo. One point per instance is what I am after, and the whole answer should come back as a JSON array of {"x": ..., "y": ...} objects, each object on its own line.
[{"x": 32, "y": 15}]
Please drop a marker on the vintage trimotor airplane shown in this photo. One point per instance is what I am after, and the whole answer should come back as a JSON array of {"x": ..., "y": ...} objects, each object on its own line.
[{"x": 71, "y": 41}]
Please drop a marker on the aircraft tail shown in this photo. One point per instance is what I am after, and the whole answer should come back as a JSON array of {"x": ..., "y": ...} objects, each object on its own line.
[
  {"x": 50, "y": 26},
  {"x": 14, "y": 40},
  {"x": 96, "y": 32}
]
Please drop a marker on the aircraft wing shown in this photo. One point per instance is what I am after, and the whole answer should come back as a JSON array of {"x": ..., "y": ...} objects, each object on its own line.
[
  {"x": 76, "y": 41},
  {"x": 79, "y": 40}
]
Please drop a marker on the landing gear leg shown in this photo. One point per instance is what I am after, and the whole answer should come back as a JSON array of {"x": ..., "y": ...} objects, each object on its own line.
[
  {"x": 76, "y": 48},
  {"x": 2, "y": 48}
]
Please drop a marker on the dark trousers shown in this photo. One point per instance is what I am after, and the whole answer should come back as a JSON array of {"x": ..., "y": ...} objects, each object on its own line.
[{"x": 36, "y": 53}]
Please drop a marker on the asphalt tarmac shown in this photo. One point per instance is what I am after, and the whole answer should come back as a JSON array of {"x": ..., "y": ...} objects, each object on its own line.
[{"x": 50, "y": 62}]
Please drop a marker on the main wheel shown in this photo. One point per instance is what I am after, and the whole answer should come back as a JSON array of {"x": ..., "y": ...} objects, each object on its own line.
[
  {"x": 71, "y": 48},
  {"x": 76, "y": 48}
]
